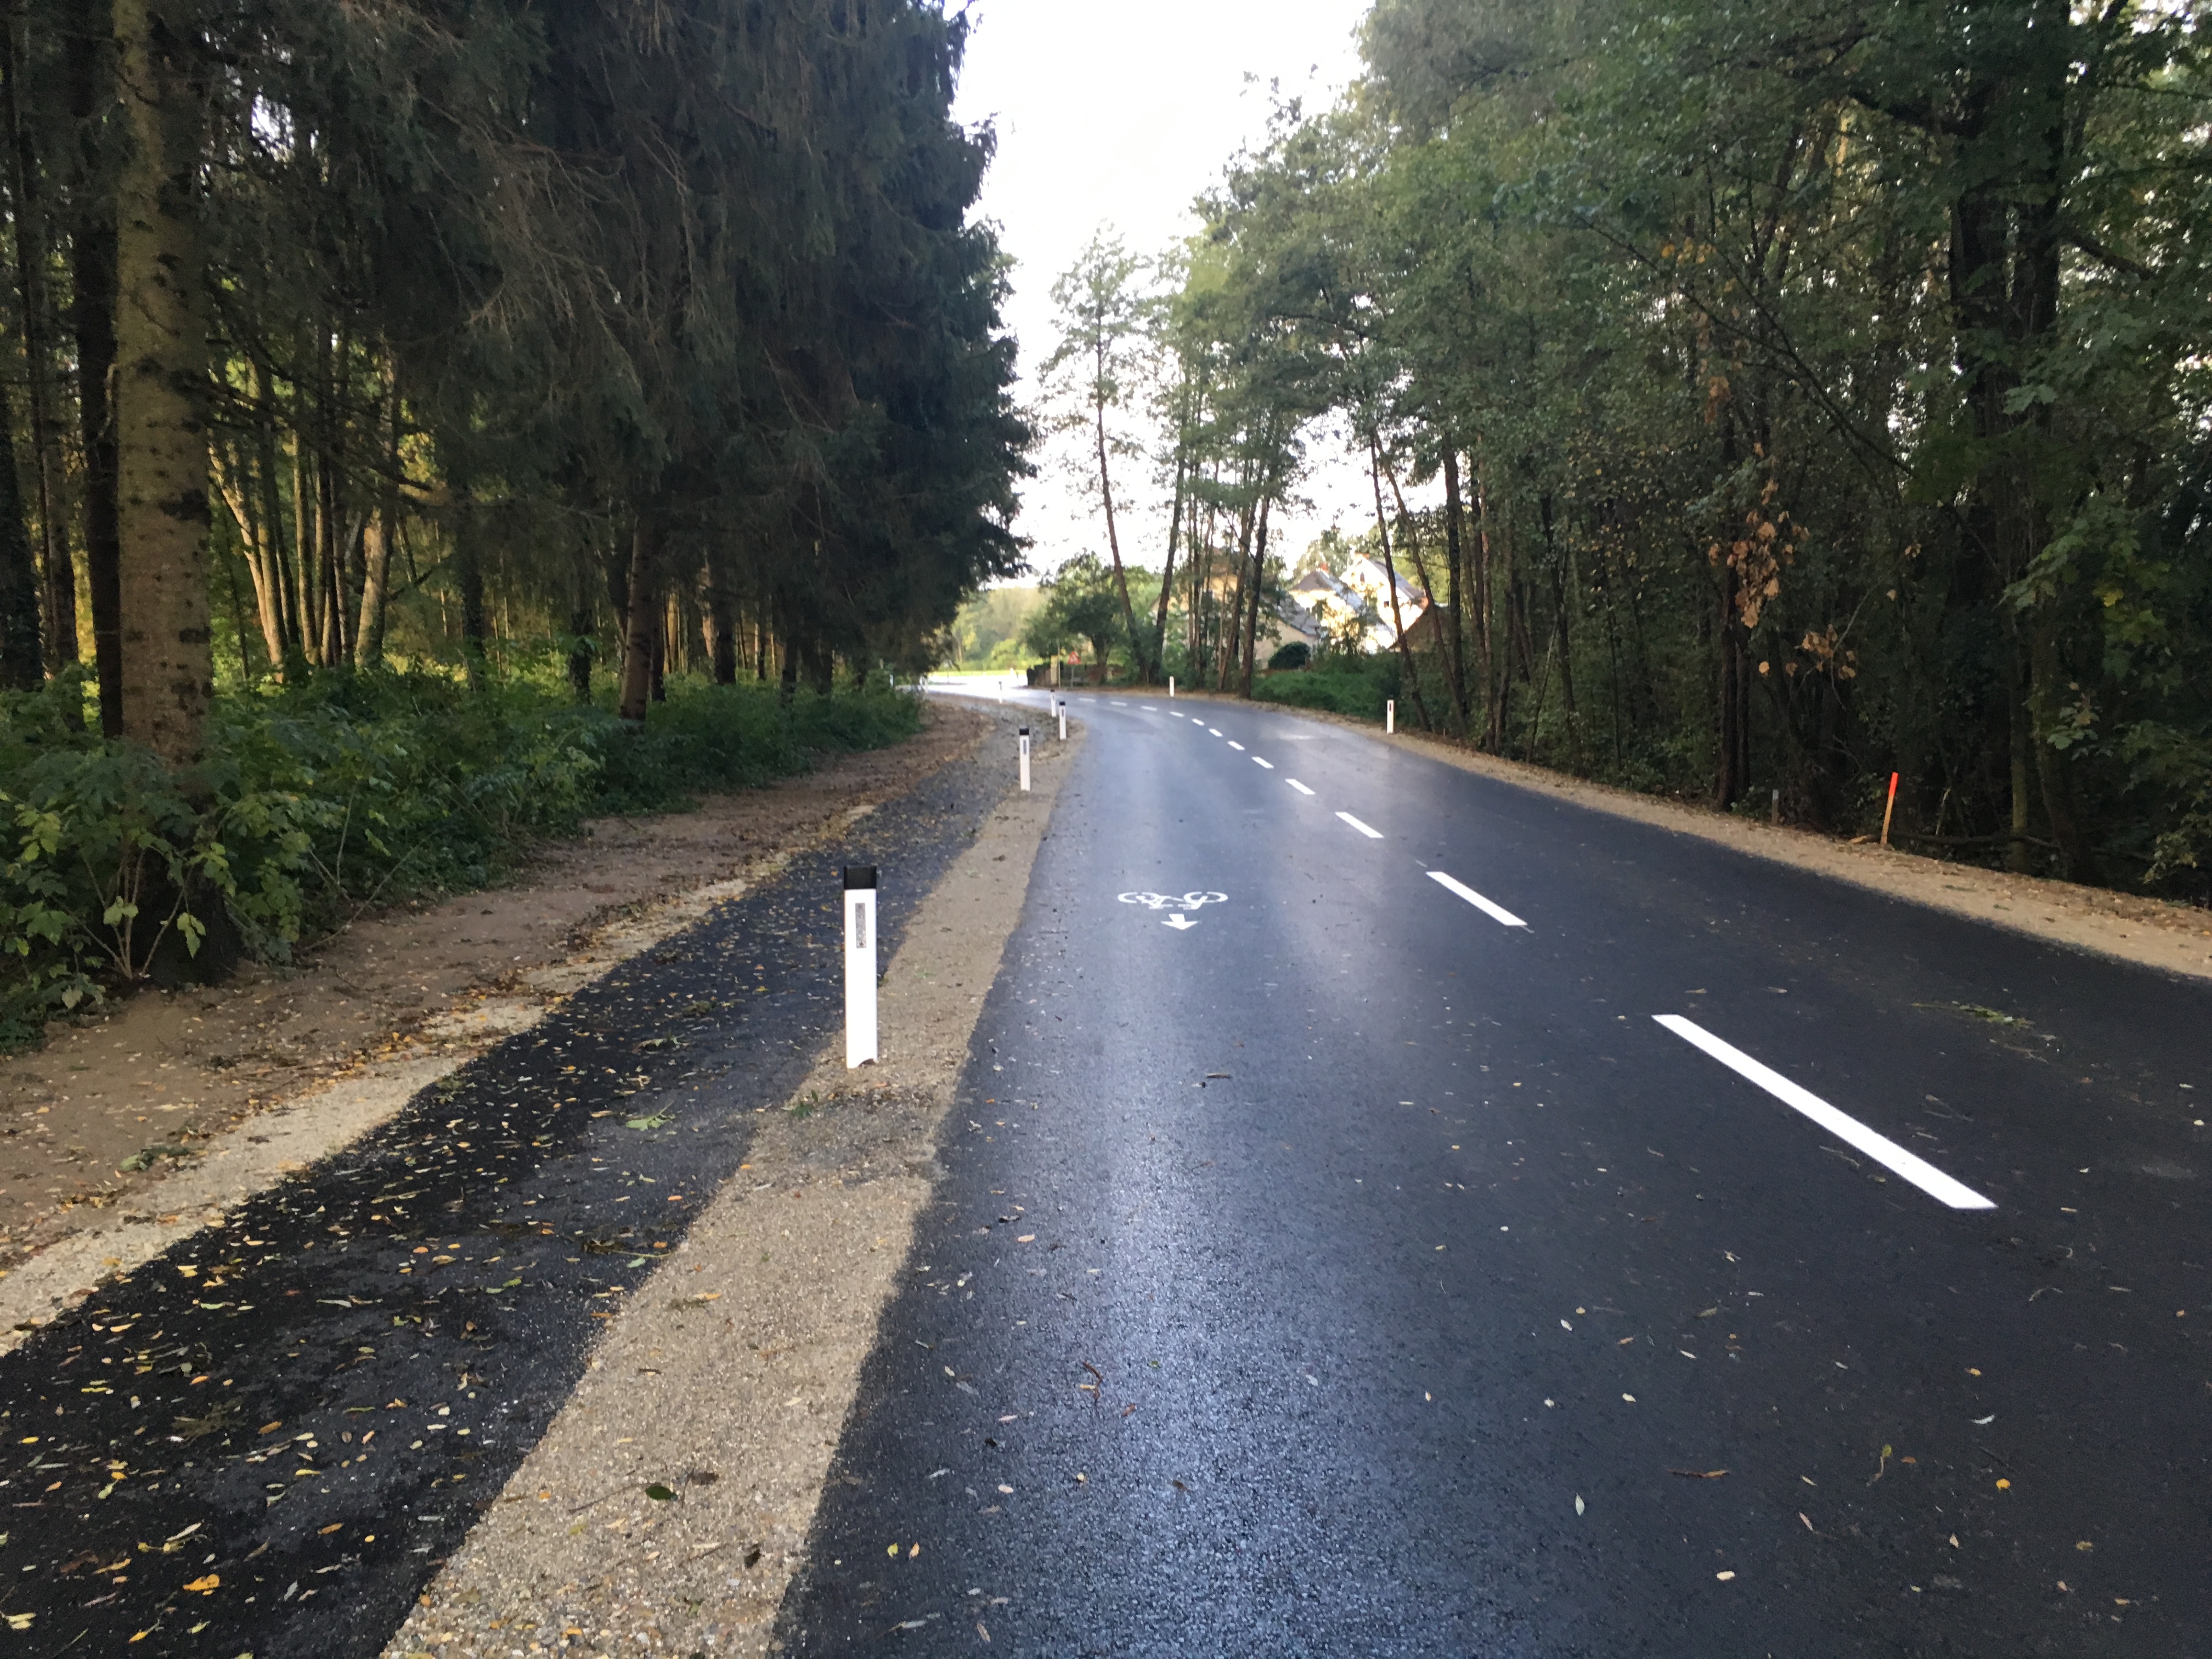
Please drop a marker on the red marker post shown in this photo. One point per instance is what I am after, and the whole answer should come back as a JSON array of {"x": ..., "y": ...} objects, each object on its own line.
[{"x": 1889, "y": 809}]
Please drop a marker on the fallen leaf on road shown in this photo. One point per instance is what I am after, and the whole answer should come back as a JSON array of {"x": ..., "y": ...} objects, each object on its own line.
[
  {"x": 1699, "y": 1474},
  {"x": 1578, "y": 1503},
  {"x": 1724, "y": 1577},
  {"x": 206, "y": 1586},
  {"x": 658, "y": 1493}
]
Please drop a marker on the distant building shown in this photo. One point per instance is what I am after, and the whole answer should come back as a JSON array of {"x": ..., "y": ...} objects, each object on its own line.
[{"x": 1353, "y": 609}]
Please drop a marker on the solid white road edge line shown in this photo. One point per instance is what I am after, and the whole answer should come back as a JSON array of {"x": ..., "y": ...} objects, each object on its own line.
[
  {"x": 1372, "y": 834},
  {"x": 1257, "y": 760},
  {"x": 1296, "y": 785},
  {"x": 1496, "y": 912},
  {"x": 1846, "y": 1127}
]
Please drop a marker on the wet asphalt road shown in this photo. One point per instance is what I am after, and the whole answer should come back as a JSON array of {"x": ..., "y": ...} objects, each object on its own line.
[
  {"x": 1352, "y": 1273},
  {"x": 267, "y": 1440}
]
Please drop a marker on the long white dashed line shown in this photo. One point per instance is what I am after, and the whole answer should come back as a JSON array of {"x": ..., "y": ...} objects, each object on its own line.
[
  {"x": 1237, "y": 746},
  {"x": 1496, "y": 912},
  {"x": 1212, "y": 733},
  {"x": 1257, "y": 760},
  {"x": 1296, "y": 785},
  {"x": 1846, "y": 1127},
  {"x": 1148, "y": 708},
  {"x": 1372, "y": 834}
]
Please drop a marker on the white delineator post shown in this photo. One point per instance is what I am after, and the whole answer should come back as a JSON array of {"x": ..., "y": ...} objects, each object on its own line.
[
  {"x": 1170, "y": 688},
  {"x": 1062, "y": 704},
  {"x": 1025, "y": 759},
  {"x": 860, "y": 965},
  {"x": 1390, "y": 715}
]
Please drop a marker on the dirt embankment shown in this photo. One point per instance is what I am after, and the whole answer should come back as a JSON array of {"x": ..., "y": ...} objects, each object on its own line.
[{"x": 128, "y": 1126}]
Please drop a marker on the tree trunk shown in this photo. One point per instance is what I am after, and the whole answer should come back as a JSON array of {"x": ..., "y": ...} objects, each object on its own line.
[
  {"x": 23, "y": 666},
  {"x": 476, "y": 622},
  {"x": 285, "y": 589},
  {"x": 254, "y": 540},
  {"x": 305, "y": 538},
  {"x": 1113, "y": 535},
  {"x": 721, "y": 625},
  {"x": 2045, "y": 687},
  {"x": 1731, "y": 782},
  {"x": 1167, "y": 574},
  {"x": 1412, "y": 674},
  {"x": 1258, "y": 582},
  {"x": 57, "y": 594},
  {"x": 642, "y": 622},
  {"x": 379, "y": 534},
  {"x": 1455, "y": 563},
  {"x": 93, "y": 286},
  {"x": 1230, "y": 635},
  {"x": 1493, "y": 699},
  {"x": 167, "y": 668}
]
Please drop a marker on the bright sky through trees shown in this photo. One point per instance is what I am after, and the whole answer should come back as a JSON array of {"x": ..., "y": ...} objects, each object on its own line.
[{"x": 1122, "y": 112}]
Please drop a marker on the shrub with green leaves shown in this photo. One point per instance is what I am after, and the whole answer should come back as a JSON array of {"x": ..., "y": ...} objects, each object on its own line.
[{"x": 319, "y": 800}]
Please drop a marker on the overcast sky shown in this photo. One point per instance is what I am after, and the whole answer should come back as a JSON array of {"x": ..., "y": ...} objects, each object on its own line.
[{"x": 1123, "y": 114}]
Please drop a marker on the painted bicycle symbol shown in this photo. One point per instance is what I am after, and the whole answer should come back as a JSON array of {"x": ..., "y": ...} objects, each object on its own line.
[{"x": 1171, "y": 902}]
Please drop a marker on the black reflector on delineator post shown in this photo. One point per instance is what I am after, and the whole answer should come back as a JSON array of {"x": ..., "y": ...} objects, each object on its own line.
[
  {"x": 1025, "y": 759},
  {"x": 858, "y": 875}
]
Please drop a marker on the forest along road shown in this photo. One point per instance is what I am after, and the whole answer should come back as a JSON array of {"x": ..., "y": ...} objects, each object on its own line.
[{"x": 1623, "y": 1246}]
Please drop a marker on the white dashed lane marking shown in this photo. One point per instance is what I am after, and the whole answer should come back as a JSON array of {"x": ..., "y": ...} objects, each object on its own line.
[
  {"x": 1372, "y": 834},
  {"x": 1296, "y": 785},
  {"x": 1846, "y": 1128},
  {"x": 1257, "y": 760},
  {"x": 1497, "y": 913},
  {"x": 1237, "y": 746}
]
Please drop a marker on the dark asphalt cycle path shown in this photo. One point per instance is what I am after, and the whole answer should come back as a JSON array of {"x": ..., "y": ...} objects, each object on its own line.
[
  {"x": 267, "y": 1440},
  {"x": 1351, "y": 1272}
]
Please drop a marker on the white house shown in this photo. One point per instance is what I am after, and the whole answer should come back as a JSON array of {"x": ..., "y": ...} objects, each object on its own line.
[{"x": 1355, "y": 605}]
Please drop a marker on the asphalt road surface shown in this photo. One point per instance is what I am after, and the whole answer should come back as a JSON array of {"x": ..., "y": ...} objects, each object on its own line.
[{"x": 1391, "y": 1212}]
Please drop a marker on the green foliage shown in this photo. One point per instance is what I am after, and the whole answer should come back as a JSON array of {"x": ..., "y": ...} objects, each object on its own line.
[
  {"x": 347, "y": 792},
  {"x": 1296, "y": 654},
  {"x": 992, "y": 620},
  {"x": 1082, "y": 604},
  {"x": 1357, "y": 687}
]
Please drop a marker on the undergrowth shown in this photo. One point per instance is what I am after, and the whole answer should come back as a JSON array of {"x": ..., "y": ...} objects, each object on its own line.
[{"x": 317, "y": 801}]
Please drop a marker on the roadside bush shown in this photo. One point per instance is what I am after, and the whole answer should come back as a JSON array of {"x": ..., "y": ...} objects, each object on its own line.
[
  {"x": 350, "y": 790},
  {"x": 1294, "y": 653},
  {"x": 1359, "y": 688}
]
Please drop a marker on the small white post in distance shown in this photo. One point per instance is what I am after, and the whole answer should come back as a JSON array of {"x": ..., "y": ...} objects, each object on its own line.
[
  {"x": 860, "y": 965},
  {"x": 1390, "y": 715},
  {"x": 1170, "y": 688},
  {"x": 1062, "y": 704},
  {"x": 1025, "y": 760}
]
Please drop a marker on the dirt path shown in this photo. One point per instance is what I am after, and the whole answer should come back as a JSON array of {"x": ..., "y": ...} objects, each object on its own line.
[
  {"x": 128, "y": 1128},
  {"x": 2154, "y": 932}
]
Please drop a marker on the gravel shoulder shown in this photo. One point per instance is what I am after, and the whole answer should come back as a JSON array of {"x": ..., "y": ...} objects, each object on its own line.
[
  {"x": 136, "y": 1127},
  {"x": 667, "y": 1506}
]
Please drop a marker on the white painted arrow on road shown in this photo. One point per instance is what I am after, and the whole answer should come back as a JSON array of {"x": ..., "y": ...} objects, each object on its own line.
[{"x": 1178, "y": 921}]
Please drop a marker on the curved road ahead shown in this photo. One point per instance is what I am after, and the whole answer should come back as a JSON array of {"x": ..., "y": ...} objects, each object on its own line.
[{"x": 1441, "y": 1219}]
